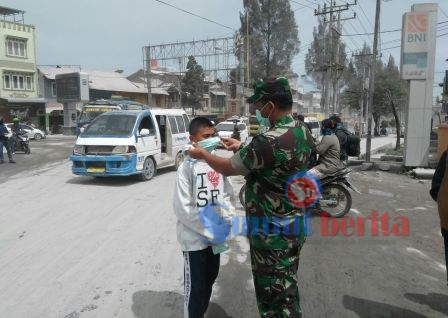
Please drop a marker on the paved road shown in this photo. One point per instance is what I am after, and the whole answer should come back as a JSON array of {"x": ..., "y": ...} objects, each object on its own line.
[
  {"x": 44, "y": 152},
  {"x": 78, "y": 247}
]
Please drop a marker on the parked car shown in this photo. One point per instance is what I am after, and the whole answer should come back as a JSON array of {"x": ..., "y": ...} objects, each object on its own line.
[
  {"x": 226, "y": 128},
  {"x": 33, "y": 132},
  {"x": 314, "y": 125}
]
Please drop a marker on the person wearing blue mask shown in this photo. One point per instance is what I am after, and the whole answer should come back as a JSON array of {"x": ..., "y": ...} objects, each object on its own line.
[
  {"x": 203, "y": 202},
  {"x": 268, "y": 162},
  {"x": 328, "y": 150}
]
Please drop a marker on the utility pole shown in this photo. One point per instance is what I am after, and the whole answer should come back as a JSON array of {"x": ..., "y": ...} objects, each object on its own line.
[
  {"x": 148, "y": 73},
  {"x": 372, "y": 82},
  {"x": 363, "y": 89},
  {"x": 333, "y": 65},
  {"x": 246, "y": 108},
  {"x": 241, "y": 67}
]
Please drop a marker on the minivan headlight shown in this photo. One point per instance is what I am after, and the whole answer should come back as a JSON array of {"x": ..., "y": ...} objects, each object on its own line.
[
  {"x": 120, "y": 149},
  {"x": 79, "y": 150}
]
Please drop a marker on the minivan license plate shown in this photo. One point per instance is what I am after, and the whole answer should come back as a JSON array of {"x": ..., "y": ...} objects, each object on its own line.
[{"x": 96, "y": 170}]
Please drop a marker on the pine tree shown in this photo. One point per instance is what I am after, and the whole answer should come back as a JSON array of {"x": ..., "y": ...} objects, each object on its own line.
[
  {"x": 325, "y": 62},
  {"x": 273, "y": 37},
  {"x": 193, "y": 84}
]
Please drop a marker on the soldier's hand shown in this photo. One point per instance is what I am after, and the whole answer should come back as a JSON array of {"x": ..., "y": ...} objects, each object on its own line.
[
  {"x": 196, "y": 151},
  {"x": 231, "y": 143}
]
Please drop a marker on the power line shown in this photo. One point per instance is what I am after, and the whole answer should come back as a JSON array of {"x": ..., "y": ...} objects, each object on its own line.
[
  {"x": 357, "y": 34},
  {"x": 388, "y": 31},
  {"x": 302, "y": 4},
  {"x": 356, "y": 44},
  {"x": 362, "y": 10},
  {"x": 310, "y": 2},
  {"x": 354, "y": 29},
  {"x": 196, "y": 15},
  {"x": 443, "y": 12},
  {"x": 394, "y": 47}
]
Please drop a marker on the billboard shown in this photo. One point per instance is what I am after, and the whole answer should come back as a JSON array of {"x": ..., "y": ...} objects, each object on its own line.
[
  {"x": 72, "y": 87},
  {"x": 417, "y": 44}
]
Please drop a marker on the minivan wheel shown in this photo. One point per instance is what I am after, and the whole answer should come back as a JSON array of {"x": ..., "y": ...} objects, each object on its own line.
[
  {"x": 37, "y": 136},
  {"x": 149, "y": 169},
  {"x": 178, "y": 160}
]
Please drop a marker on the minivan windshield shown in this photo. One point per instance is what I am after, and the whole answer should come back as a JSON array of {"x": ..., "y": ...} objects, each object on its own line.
[
  {"x": 225, "y": 127},
  {"x": 89, "y": 113},
  {"x": 111, "y": 125},
  {"x": 313, "y": 124}
]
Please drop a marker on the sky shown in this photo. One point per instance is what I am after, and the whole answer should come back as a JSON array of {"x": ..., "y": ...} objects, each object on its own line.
[{"x": 110, "y": 34}]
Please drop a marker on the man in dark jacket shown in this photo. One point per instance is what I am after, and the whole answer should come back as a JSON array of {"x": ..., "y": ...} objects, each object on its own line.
[
  {"x": 341, "y": 132},
  {"x": 439, "y": 191},
  {"x": 4, "y": 142}
]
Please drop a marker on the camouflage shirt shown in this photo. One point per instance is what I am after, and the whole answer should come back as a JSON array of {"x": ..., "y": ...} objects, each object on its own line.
[{"x": 267, "y": 163}]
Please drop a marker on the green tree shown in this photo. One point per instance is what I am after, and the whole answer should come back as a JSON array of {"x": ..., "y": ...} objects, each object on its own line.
[
  {"x": 355, "y": 78},
  {"x": 193, "y": 84},
  {"x": 326, "y": 60},
  {"x": 389, "y": 96},
  {"x": 273, "y": 37}
]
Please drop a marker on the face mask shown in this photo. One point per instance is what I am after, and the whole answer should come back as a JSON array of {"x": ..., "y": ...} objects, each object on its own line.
[
  {"x": 262, "y": 120},
  {"x": 209, "y": 144}
]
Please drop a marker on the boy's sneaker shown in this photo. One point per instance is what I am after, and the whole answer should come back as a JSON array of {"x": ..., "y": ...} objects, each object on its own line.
[
  {"x": 12, "y": 161},
  {"x": 2, "y": 161}
]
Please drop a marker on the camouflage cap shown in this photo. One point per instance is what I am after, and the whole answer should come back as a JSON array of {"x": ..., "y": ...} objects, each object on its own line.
[{"x": 269, "y": 87}]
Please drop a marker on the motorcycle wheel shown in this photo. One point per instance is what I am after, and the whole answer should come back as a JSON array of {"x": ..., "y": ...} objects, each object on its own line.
[
  {"x": 27, "y": 150},
  {"x": 341, "y": 196},
  {"x": 242, "y": 196}
]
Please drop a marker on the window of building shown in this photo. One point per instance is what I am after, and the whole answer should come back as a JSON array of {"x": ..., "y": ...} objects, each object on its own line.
[
  {"x": 233, "y": 107},
  {"x": 18, "y": 81},
  {"x": 53, "y": 89},
  {"x": 16, "y": 47}
]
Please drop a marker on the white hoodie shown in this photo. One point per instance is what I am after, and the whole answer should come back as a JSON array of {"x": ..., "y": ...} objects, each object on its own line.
[{"x": 198, "y": 185}]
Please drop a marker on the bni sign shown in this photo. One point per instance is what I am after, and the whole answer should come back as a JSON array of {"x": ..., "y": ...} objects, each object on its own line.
[{"x": 418, "y": 41}]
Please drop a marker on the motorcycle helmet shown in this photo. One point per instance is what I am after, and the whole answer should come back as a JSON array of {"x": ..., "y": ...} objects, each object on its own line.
[{"x": 15, "y": 120}]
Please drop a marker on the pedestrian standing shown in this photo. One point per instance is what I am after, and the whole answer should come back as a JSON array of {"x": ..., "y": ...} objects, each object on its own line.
[
  {"x": 200, "y": 190},
  {"x": 4, "y": 142},
  {"x": 268, "y": 162},
  {"x": 439, "y": 192}
]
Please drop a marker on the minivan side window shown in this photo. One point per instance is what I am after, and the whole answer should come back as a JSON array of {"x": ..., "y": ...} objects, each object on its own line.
[
  {"x": 180, "y": 124},
  {"x": 173, "y": 124},
  {"x": 148, "y": 124},
  {"x": 186, "y": 121}
]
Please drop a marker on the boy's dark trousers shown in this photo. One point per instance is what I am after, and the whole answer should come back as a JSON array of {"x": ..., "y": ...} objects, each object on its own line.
[
  {"x": 200, "y": 271},
  {"x": 445, "y": 239}
]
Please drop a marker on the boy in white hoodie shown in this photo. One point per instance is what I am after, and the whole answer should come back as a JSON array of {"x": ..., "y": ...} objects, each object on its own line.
[{"x": 200, "y": 191}]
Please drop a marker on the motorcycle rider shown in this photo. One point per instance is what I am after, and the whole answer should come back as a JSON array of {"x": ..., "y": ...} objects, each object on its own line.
[
  {"x": 328, "y": 150},
  {"x": 5, "y": 142},
  {"x": 341, "y": 132},
  {"x": 15, "y": 129}
]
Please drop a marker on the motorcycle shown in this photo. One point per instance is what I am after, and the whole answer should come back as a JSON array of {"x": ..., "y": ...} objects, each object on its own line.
[
  {"x": 22, "y": 142},
  {"x": 335, "y": 201}
]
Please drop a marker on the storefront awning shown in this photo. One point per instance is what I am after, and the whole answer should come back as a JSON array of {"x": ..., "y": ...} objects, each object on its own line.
[
  {"x": 25, "y": 100},
  {"x": 49, "y": 107}
]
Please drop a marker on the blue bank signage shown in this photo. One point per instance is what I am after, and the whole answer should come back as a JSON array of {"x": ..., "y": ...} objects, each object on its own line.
[{"x": 418, "y": 41}]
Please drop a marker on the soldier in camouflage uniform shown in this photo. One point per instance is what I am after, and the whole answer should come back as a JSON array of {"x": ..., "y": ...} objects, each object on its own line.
[{"x": 268, "y": 162}]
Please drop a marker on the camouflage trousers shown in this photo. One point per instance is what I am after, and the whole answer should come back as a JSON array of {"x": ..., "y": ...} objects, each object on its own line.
[{"x": 275, "y": 262}]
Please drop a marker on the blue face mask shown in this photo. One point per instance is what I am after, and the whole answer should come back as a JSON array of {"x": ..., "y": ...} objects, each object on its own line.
[
  {"x": 262, "y": 120},
  {"x": 209, "y": 144}
]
